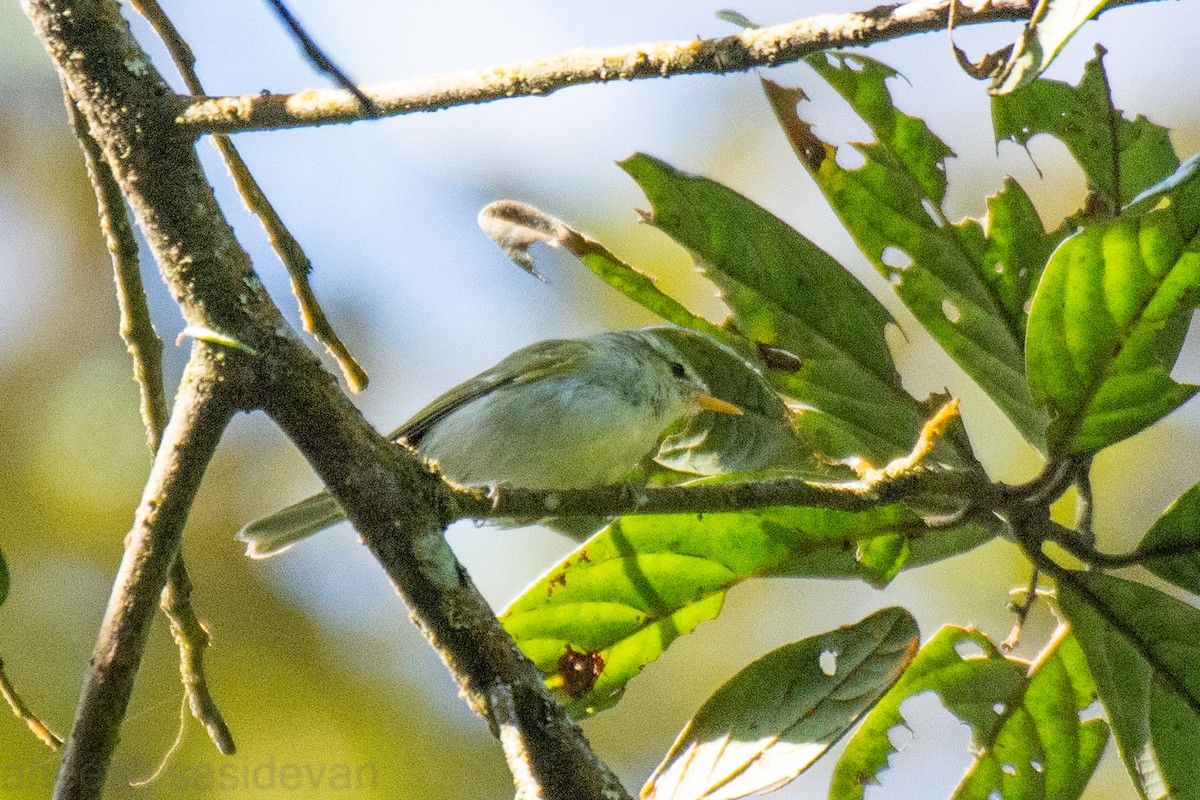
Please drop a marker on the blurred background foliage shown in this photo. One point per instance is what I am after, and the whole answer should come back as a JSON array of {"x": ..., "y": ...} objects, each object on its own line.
[{"x": 314, "y": 661}]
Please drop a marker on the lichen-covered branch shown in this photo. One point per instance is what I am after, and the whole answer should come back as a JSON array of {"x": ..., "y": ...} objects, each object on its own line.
[{"x": 756, "y": 47}]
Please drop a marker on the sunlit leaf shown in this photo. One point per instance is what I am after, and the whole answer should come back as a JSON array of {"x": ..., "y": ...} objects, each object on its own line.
[
  {"x": 1143, "y": 648},
  {"x": 1107, "y": 324},
  {"x": 954, "y": 277},
  {"x": 784, "y": 290},
  {"x": 1026, "y": 732},
  {"x": 620, "y": 599},
  {"x": 777, "y": 716},
  {"x": 1016, "y": 251},
  {"x": 1120, "y": 157},
  {"x": 1178, "y": 527},
  {"x": 1180, "y": 192},
  {"x": 1053, "y": 23}
]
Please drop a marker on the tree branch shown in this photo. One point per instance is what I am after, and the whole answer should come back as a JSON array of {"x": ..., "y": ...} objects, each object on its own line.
[
  {"x": 202, "y": 409},
  {"x": 756, "y": 47},
  {"x": 624, "y": 498},
  {"x": 145, "y": 348},
  {"x": 398, "y": 506}
]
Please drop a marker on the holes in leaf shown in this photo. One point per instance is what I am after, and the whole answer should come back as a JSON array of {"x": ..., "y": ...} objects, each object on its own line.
[
  {"x": 1037, "y": 766},
  {"x": 849, "y": 157},
  {"x": 895, "y": 258},
  {"x": 932, "y": 211},
  {"x": 828, "y": 662},
  {"x": 1008, "y": 769},
  {"x": 999, "y": 268},
  {"x": 1095, "y": 710},
  {"x": 998, "y": 708},
  {"x": 900, "y": 736},
  {"x": 968, "y": 650},
  {"x": 952, "y": 312},
  {"x": 1028, "y": 306},
  {"x": 1187, "y": 368}
]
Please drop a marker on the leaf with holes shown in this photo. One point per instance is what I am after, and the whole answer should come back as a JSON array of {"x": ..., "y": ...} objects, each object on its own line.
[
  {"x": 1054, "y": 22},
  {"x": 592, "y": 622},
  {"x": 1025, "y": 728},
  {"x": 1106, "y": 327},
  {"x": 1177, "y": 529},
  {"x": 776, "y": 717},
  {"x": 785, "y": 291},
  {"x": 1143, "y": 648},
  {"x": 1120, "y": 157},
  {"x": 964, "y": 285}
]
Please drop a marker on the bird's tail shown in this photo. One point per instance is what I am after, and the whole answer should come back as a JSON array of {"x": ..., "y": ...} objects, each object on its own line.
[{"x": 274, "y": 534}]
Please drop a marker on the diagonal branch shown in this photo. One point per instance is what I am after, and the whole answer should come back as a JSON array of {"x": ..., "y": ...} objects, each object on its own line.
[
  {"x": 145, "y": 348},
  {"x": 398, "y": 506},
  {"x": 756, "y": 47},
  {"x": 202, "y": 409},
  {"x": 312, "y": 316}
]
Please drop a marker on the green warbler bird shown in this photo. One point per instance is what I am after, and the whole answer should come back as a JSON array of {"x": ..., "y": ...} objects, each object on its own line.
[{"x": 558, "y": 414}]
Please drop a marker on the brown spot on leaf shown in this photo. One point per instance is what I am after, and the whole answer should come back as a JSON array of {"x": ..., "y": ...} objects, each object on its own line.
[
  {"x": 579, "y": 671},
  {"x": 778, "y": 358}
]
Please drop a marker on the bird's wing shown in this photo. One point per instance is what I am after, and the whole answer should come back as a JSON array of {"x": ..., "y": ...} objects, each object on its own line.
[{"x": 529, "y": 364}]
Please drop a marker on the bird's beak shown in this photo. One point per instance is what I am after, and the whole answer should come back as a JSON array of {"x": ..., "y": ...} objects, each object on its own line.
[{"x": 710, "y": 403}]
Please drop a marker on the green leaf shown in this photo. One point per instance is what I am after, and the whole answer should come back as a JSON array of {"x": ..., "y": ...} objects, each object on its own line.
[
  {"x": 1106, "y": 327},
  {"x": 783, "y": 290},
  {"x": 1143, "y": 648},
  {"x": 1177, "y": 528},
  {"x": 3, "y": 578},
  {"x": 945, "y": 273},
  {"x": 1016, "y": 251},
  {"x": 1053, "y": 23},
  {"x": 1179, "y": 191},
  {"x": 1120, "y": 157},
  {"x": 1025, "y": 728},
  {"x": 617, "y": 602},
  {"x": 776, "y": 717}
]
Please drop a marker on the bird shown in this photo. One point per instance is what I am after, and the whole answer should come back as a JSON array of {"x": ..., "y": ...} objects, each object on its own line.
[{"x": 557, "y": 414}]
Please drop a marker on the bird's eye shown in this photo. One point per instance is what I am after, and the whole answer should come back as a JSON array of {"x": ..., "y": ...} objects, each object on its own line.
[{"x": 677, "y": 370}]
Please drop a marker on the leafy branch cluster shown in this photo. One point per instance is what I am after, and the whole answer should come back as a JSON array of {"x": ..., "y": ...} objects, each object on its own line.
[{"x": 1072, "y": 332}]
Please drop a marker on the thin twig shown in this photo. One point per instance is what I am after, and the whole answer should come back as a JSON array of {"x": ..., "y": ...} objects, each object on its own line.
[
  {"x": 312, "y": 316},
  {"x": 202, "y": 409},
  {"x": 320, "y": 60},
  {"x": 137, "y": 330},
  {"x": 1022, "y": 610},
  {"x": 145, "y": 349},
  {"x": 192, "y": 637},
  {"x": 22, "y": 712},
  {"x": 757, "y": 47}
]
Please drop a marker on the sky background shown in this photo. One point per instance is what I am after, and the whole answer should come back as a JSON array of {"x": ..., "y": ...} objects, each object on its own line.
[{"x": 314, "y": 659}]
